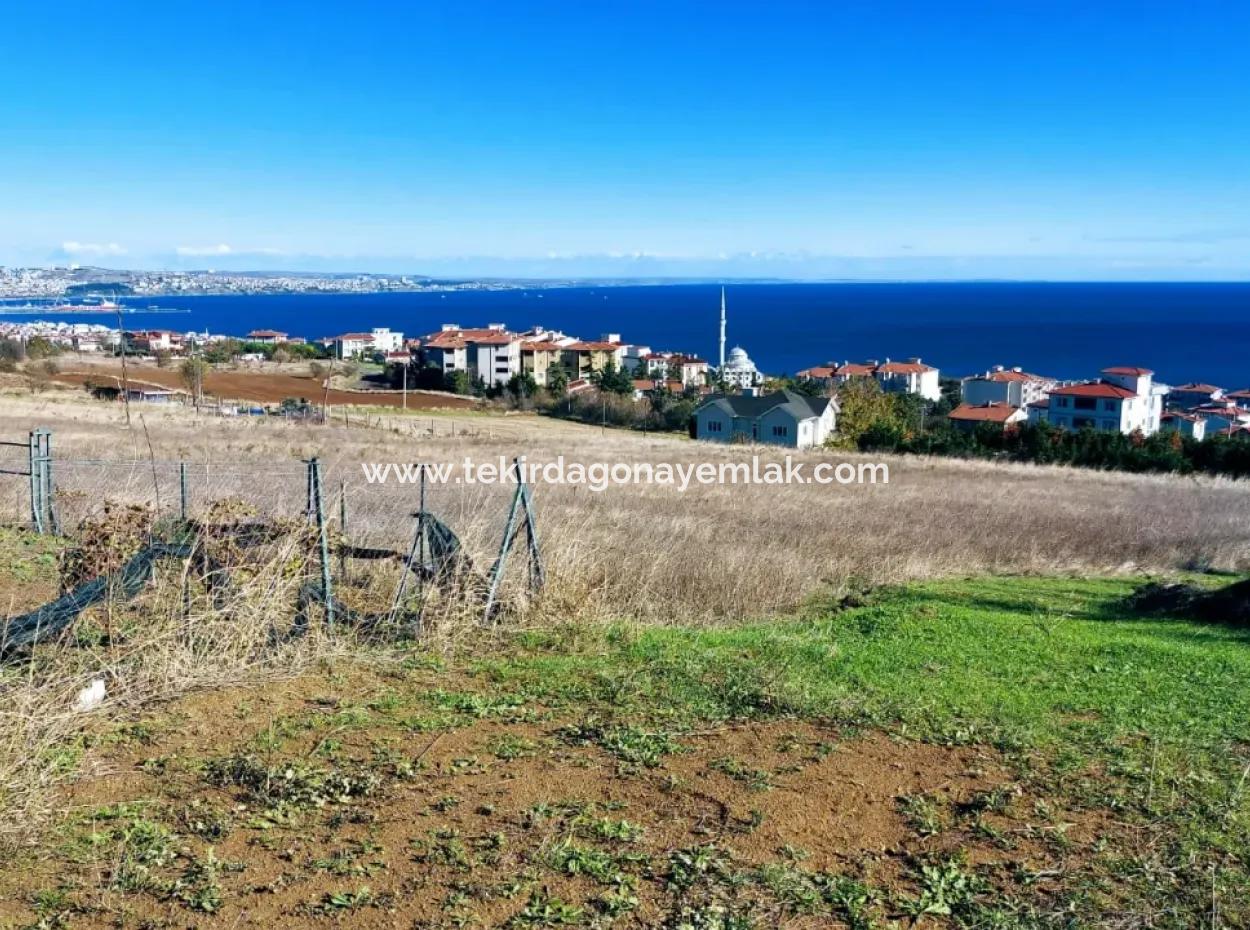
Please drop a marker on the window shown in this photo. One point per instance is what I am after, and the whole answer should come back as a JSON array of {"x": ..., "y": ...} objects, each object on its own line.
[
  {"x": 714, "y": 426},
  {"x": 781, "y": 431},
  {"x": 1084, "y": 423},
  {"x": 1110, "y": 425},
  {"x": 1085, "y": 403},
  {"x": 1061, "y": 402},
  {"x": 1108, "y": 406}
]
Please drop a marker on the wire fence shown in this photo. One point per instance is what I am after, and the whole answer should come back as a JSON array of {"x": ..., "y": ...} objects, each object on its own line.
[{"x": 428, "y": 530}]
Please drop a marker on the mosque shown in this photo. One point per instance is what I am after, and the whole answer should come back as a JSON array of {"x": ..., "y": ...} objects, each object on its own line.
[{"x": 738, "y": 370}]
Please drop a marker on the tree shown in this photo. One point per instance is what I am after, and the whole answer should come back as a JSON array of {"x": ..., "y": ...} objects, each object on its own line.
[
  {"x": 522, "y": 385},
  {"x": 612, "y": 380},
  {"x": 39, "y": 347},
  {"x": 281, "y": 355},
  {"x": 458, "y": 382},
  {"x": 193, "y": 371},
  {"x": 557, "y": 379},
  {"x": 863, "y": 405}
]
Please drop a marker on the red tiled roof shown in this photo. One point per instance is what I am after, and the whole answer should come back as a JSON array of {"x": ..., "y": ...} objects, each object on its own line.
[
  {"x": 540, "y": 347},
  {"x": 1176, "y": 415},
  {"x": 494, "y": 339},
  {"x": 991, "y": 412},
  {"x": 904, "y": 368},
  {"x": 593, "y": 346},
  {"x": 1197, "y": 388},
  {"x": 1220, "y": 409},
  {"x": 265, "y": 333},
  {"x": 1012, "y": 376},
  {"x": 354, "y": 336},
  {"x": 1097, "y": 389},
  {"x": 819, "y": 371},
  {"x": 851, "y": 369},
  {"x": 1127, "y": 370}
]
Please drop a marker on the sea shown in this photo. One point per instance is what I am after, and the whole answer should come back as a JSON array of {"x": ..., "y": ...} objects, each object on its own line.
[{"x": 1183, "y": 331}]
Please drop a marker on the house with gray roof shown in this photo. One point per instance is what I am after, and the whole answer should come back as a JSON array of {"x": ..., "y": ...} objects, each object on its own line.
[{"x": 783, "y": 418}]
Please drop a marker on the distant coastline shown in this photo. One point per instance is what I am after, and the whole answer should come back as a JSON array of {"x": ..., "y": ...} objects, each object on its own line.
[{"x": 1064, "y": 330}]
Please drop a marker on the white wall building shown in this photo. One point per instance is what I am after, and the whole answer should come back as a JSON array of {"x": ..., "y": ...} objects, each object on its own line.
[
  {"x": 384, "y": 340},
  {"x": 1012, "y": 386},
  {"x": 1126, "y": 400},
  {"x": 912, "y": 376},
  {"x": 783, "y": 418}
]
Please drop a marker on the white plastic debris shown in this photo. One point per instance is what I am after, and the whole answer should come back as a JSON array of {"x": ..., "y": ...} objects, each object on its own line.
[{"x": 91, "y": 696}]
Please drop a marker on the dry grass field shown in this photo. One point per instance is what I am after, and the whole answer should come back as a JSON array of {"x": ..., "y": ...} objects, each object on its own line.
[{"x": 653, "y": 552}]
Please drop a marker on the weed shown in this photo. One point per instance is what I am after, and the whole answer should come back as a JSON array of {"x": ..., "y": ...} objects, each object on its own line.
[
  {"x": 694, "y": 864},
  {"x": 509, "y": 746},
  {"x": 628, "y": 743},
  {"x": 544, "y": 910},
  {"x": 922, "y": 813},
  {"x": 295, "y": 784},
  {"x": 754, "y": 779}
]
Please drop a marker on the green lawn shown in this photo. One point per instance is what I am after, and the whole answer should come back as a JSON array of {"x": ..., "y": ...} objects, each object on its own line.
[{"x": 1023, "y": 662}]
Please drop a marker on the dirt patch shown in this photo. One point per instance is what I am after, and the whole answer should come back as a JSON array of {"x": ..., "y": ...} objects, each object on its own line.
[
  {"x": 429, "y": 807},
  {"x": 267, "y": 387}
]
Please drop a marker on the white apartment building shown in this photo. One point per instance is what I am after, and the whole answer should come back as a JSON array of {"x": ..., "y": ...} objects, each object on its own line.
[
  {"x": 1012, "y": 386},
  {"x": 1126, "y": 401},
  {"x": 490, "y": 353},
  {"x": 385, "y": 340},
  {"x": 911, "y": 376}
]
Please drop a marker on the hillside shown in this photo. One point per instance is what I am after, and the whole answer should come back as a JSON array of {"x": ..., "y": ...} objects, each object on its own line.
[{"x": 917, "y": 703}]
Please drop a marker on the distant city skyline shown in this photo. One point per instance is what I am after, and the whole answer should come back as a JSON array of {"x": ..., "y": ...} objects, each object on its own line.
[{"x": 884, "y": 141}]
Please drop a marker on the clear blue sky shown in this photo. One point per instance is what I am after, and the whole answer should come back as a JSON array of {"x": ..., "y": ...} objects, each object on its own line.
[{"x": 867, "y": 139}]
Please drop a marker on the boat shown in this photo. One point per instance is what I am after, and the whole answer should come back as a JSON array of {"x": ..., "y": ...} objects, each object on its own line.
[{"x": 94, "y": 306}]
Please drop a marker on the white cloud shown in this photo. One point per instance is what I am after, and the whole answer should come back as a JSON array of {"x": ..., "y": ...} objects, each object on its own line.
[
  {"x": 195, "y": 250},
  {"x": 70, "y": 247}
]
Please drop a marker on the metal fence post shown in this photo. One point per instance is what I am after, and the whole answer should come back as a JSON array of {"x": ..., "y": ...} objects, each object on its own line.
[
  {"x": 343, "y": 528},
  {"x": 182, "y": 490},
  {"x": 36, "y": 504},
  {"x": 323, "y": 542},
  {"x": 51, "y": 519}
]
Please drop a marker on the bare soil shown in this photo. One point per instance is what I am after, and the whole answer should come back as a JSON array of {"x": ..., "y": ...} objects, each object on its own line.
[
  {"x": 474, "y": 817},
  {"x": 267, "y": 387}
]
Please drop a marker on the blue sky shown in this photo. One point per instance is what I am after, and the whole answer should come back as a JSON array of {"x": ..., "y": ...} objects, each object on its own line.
[{"x": 1096, "y": 140}]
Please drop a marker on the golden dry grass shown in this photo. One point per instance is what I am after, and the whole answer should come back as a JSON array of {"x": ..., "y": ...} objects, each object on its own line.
[{"x": 651, "y": 552}]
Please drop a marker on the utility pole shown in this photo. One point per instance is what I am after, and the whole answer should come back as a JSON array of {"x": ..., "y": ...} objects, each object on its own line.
[
  {"x": 405, "y": 386},
  {"x": 121, "y": 339}
]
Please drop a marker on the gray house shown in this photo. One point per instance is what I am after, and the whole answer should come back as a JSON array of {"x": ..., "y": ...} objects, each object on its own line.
[{"x": 783, "y": 418}]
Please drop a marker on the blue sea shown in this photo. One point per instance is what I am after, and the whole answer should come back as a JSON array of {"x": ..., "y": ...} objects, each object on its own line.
[{"x": 1185, "y": 332}]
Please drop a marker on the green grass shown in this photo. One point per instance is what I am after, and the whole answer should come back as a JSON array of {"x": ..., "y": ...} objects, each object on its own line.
[
  {"x": 1145, "y": 716},
  {"x": 1018, "y": 661}
]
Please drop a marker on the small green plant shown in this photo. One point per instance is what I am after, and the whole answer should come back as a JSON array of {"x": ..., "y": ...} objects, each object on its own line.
[
  {"x": 543, "y": 910},
  {"x": 922, "y": 813},
  {"x": 617, "y": 830},
  {"x": 687, "y": 867},
  {"x": 344, "y": 900},
  {"x": 197, "y": 888},
  {"x": 509, "y": 746},
  {"x": 628, "y": 743},
  {"x": 755, "y": 779}
]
